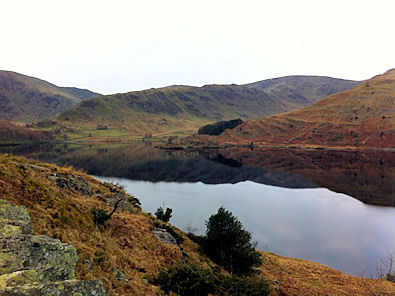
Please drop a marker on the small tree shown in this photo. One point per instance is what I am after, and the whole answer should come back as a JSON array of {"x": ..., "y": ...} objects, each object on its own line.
[
  {"x": 100, "y": 217},
  {"x": 164, "y": 216},
  {"x": 229, "y": 244}
]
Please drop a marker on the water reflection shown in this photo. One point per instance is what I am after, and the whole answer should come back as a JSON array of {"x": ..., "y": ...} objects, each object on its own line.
[{"x": 368, "y": 176}]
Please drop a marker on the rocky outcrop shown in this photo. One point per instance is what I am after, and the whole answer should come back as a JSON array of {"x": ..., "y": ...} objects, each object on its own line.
[
  {"x": 37, "y": 264},
  {"x": 72, "y": 182},
  {"x": 164, "y": 236}
]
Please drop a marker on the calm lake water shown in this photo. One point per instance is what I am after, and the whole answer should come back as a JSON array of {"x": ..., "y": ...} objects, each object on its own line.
[{"x": 332, "y": 207}]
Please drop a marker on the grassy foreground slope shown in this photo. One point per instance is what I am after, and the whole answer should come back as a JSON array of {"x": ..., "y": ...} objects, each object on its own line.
[
  {"x": 28, "y": 99},
  {"x": 126, "y": 254},
  {"x": 185, "y": 108},
  {"x": 362, "y": 117}
]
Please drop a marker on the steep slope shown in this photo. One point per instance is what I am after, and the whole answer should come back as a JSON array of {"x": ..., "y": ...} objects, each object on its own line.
[
  {"x": 27, "y": 99},
  {"x": 362, "y": 117},
  {"x": 177, "y": 108},
  {"x": 126, "y": 254}
]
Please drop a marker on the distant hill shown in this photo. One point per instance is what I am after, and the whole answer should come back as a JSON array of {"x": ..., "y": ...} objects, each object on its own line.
[
  {"x": 362, "y": 117},
  {"x": 177, "y": 108},
  {"x": 28, "y": 99}
]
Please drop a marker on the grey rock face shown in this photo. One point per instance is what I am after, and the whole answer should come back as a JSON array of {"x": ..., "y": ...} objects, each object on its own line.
[
  {"x": 71, "y": 182},
  {"x": 37, "y": 264},
  {"x": 53, "y": 259},
  {"x": 164, "y": 236}
]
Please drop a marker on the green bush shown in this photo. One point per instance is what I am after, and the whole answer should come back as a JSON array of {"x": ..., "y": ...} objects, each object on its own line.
[
  {"x": 100, "y": 217},
  {"x": 185, "y": 279},
  {"x": 244, "y": 286},
  {"x": 164, "y": 216},
  {"x": 229, "y": 245}
]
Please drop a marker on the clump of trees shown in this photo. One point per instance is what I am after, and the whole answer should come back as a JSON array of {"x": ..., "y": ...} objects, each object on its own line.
[
  {"x": 163, "y": 215},
  {"x": 218, "y": 127}
]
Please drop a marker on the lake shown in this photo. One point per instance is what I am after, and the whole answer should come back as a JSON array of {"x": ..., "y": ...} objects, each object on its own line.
[{"x": 332, "y": 207}]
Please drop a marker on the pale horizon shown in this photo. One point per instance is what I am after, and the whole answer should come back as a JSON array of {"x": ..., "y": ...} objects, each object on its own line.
[{"x": 125, "y": 46}]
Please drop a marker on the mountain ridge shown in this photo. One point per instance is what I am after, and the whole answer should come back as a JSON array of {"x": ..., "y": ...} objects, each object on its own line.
[
  {"x": 185, "y": 108},
  {"x": 27, "y": 99},
  {"x": 362, "y": 117}
]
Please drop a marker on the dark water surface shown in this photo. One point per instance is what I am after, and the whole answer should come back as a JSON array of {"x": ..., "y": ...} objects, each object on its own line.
[{"x": 333, "y": 207}]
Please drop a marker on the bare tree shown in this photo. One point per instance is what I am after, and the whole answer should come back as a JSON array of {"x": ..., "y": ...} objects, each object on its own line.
[{"x": 385, "y": 268}]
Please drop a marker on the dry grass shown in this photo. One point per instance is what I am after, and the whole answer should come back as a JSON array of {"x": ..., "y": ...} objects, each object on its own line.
[
  {"x": 301, "y": 277},
  {"x": 127, "y": 244}
]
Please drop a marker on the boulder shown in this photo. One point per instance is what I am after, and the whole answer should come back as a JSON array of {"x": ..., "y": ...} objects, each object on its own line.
[{"x": 37, "y": 265}]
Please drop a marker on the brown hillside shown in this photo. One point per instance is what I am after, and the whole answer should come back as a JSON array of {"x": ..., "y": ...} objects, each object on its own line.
[
  {"x": 11, "y": 133},
  {"x": 362, "y": 117},
  {"x": 28, "y": 99},
  {"x": 185, "y": 108}
]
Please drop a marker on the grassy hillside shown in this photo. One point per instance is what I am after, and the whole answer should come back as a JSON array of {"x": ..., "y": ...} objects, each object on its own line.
[
  {"x": 185, "y": 108},
  {"x": 126, "y": 254},
  {"x": 362, "y": 117},
  {"x": 14, "y": 133},
  {"x": 28, "y": 99}
]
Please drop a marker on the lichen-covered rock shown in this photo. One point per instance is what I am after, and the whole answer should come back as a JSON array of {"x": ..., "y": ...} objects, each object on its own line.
[
  {"x": 56, "y": 260},
  {"x": 21, "y": 278},
  {"x": 14, "y": 220},
  {"x": 164, "y": 236},
  {"x": 33, "y": 265},
  {"x": 63, "y": 288}
]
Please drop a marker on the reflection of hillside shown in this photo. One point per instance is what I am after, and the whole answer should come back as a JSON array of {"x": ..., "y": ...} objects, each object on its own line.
[
  {"x": 141, "y": 162},
  {"x": 366, "y": 175}
]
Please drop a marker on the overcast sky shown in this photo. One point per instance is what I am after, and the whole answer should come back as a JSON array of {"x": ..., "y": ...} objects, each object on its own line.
[{"x": 118, "y": 46}]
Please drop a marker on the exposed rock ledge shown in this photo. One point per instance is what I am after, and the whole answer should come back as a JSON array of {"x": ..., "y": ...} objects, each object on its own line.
[{"x": 33, "y": 265}]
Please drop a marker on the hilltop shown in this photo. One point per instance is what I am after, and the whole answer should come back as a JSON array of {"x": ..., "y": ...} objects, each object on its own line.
[
  {"x": 182, "y": 109},
  {"x": 362, "y": 117},
  {"x": 127, "y": 254},
  {"x": 28, "y": 99}
]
